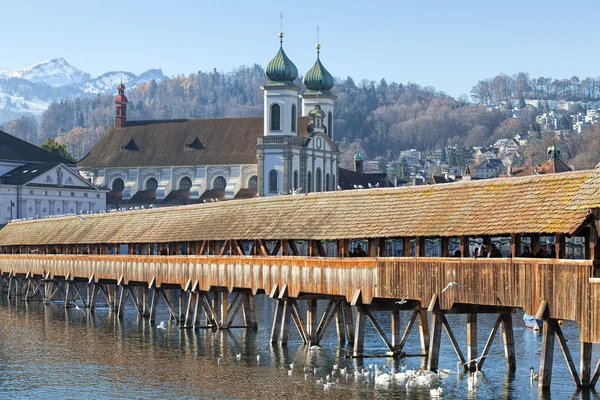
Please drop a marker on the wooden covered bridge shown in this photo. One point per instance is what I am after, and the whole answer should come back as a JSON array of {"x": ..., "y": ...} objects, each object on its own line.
[{"x": 212, "y": 259}]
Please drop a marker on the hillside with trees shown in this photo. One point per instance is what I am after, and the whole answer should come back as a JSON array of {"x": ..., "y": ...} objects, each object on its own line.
[{"x": 380, "y": 119}]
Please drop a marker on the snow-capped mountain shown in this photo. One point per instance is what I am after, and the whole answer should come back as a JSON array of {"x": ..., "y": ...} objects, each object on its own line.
[
  {"x": 55, "y": 72},
  {"x": 32, "y": 89}
]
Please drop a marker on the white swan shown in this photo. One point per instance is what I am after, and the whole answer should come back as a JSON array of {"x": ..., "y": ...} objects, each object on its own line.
[{"x": 436, "y": 392}]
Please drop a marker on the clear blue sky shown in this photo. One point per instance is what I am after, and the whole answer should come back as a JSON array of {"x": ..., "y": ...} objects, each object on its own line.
[{"x": 448, "y": 45}]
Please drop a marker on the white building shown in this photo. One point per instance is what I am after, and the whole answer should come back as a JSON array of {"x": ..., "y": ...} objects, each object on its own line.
[
  {"x": 36, "y": 184},
  {"x": 198, "y": 160}
]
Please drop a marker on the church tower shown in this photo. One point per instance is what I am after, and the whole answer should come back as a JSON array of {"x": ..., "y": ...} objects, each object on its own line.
[
  {"x": 274, "y": 150},
  {"x": 318, "y": 82},
  {"x": 121, "y": 106},
  {"x": 280, "y": 95}
]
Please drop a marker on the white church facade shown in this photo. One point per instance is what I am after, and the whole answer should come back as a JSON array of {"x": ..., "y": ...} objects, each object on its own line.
[{"x": 290, "y": 148}]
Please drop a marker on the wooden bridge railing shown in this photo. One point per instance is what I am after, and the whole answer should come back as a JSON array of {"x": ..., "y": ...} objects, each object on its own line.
[{"x": 566, "y": 287}]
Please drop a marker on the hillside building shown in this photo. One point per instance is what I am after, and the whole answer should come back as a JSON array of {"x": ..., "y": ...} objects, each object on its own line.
[{"x": 291, "y": 147}]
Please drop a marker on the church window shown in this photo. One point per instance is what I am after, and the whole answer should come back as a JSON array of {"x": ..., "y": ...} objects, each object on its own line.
[
  {"x": 318, "y": 180},
  {"x": 309, "y": 186},
  {"x": 118, "y": 185},
  {"x": 219, "y": 183},
  {"x": 123, "y": 111},
  {"x": 327, "y": 187},
  {"x": 275, "y": 117},
  {"x": 296, "y": 179},
  {"x": 273, "y": 181},
  {"x": 330, "y": 125},
  {"x": 118, "y": 111},
  {"x": 253, "y": 182},
  {"x": 185, "y": 183},
  {"x": 293, "y": 118},
  {"x": 152, "y": 184}
]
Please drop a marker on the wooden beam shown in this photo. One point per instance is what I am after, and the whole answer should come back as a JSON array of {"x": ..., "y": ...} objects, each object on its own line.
[
  {"x": 293, "y": 247},
  {"x": 284, "y": 247},
  {"x": 276, "y": 327},
  {"x": 489, "y": 342},
  {"x": 472, "y": 340},
  {"x": 509, "y": 341},
  {"x": 286, "y": 316},
  {"x": 445, "y": 251},
  {"x": 395, "y": 328},
  {"x": 547, "y": 354},
  {"x": 377, "y": 327},
  {"x": 567, "y": 354},
  {"x": 420, "y": 247},
  {"x": 359, "y": 338},
  {"x": 450, "y": 334},
  {"x": 311, "y": 320},
  {"x": 434, "y": 346},
  {"x": 298, "y": 321},
  {"x": 372, "y": 252},
  {"x": 276, "y": 249},
  {"x": 585, "y": 363},
  {"x": 381, "y": 248},
  {"x": 424, "y": 331},
  {"x": 320, "y": 249},
  {"x": 515, "y": 245},
  {"x": 409, "y": 327},
  {"x": 560, "y": 246},
  {"x": 596, "y": 375},
  {"x": 406, "y": 247},
  {"x": 535, "y": 245},
  {"x": 339, "y": 324}
]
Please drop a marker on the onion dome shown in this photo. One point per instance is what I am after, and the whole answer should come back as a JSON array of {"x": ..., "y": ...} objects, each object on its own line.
[
  {"x": 318, "y": 80},
  {"x": 358, "y": 156},
  {"x": 281, "y": 71},
  {"x": 121, "y": 98}
]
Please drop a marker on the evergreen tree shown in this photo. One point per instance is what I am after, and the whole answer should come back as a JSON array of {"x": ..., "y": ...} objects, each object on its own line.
[{"x": 57, "y": 148}]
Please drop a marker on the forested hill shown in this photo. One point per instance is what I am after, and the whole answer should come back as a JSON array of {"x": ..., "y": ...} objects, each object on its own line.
[{"x": 379, "y": 118}]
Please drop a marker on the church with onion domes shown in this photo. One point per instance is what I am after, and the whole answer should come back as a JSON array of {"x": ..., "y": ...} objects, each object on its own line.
[{"x": 289, "y": 149}]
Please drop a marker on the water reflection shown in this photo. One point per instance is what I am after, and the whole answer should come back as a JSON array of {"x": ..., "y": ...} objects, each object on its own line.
[{"x": 53, "y": 352}]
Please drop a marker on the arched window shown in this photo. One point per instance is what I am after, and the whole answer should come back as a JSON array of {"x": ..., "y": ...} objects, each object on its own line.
[
  {"x": 275, "y": 117},
  {"x": 253, "y": 182},
  {"x": 185, "y": 183},
  {"x": 219, "y": 183},
  {"x": 330, "y": 124},
  {"x": 273, "y": 181},
  {"x": 295, "y": 179},
  {"x": 327, "y": 187},
  {"x": 152, "y": 184},
  {"x": 293, "y": 118},
  {"x": 318, "y": 180},
  {"x": 309, "y": 186},
  {"x": 118, "y": 185}
]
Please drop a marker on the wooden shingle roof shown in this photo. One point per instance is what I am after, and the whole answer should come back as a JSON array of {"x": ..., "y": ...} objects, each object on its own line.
[{"x": 554, "y": 203}]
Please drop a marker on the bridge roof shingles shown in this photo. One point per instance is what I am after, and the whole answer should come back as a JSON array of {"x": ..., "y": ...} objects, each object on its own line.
[{"x": 553, "y": 203}]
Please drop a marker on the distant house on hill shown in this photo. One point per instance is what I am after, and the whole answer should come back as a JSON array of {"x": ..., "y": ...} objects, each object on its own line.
[
  {"x": 35, "y": 183},
  {"x": 348, "y": 179},
  {"x": 552, "y": 165}
]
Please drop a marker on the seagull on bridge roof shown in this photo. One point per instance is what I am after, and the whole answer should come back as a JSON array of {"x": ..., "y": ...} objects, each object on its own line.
[
  {"x": 339, "y": 187},
  {"x": 371, "y": 186},
  {"x": 82, "y": 219},
  {"x": 402, "y": 300},
  {"x": 448, "y": 286}
]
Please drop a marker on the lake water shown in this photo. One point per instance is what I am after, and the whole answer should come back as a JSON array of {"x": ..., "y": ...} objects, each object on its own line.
[{"x": 49, "y": 352}]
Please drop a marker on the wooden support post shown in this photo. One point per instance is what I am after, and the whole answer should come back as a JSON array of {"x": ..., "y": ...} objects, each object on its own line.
[
  {"x": 68, "y": 294},
  {"x": 324, "y": 320},
  {"x": 445, "y": 250},
  {"x": 560, "y": 246},
  {"x": 339, "y": 323},
  {"x": 535, "y": 247},
  {"x": 348, "y": 320},
  {"x": 547, "y": 354},
  {"x": 311, "y": 320},
  {"x": 284, "y": 247},
  {"x": 224, "y": 310},
  {"x": 191, "y": 312},
  {"x": 585, "y": 363},
  {"x": 420, "y": 247},
  {"x": 181, "y": 304},
  {"x": 372, "y": 248},
  {"x": 424, "y": 331},
  {"x": 409, "y": 327},
  {"x": 509, "y": 341},
  {"x": 153, "y": 304},
  {"x": 286, "y": 316},
  {"x": 434, "y": 345},
  {"x": 406, "y": 247},
  {"x": 381, "y": 248},
  {"x": 359, "y": 338},
  {"x": 515, "y": 245},
  {"x": 122, "y": 299},
  {"x": 396, "y": 329},
  {"x": 169, "y": 297},
  {"x": 276, "y": 328},
  {"x": 472, "y": 340}
]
